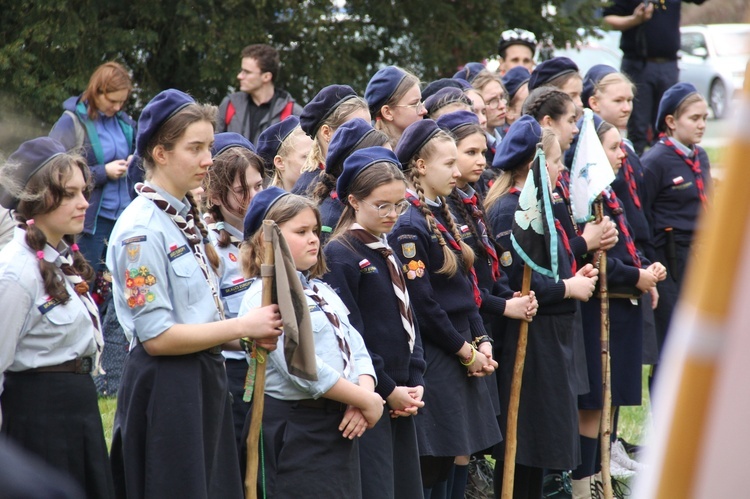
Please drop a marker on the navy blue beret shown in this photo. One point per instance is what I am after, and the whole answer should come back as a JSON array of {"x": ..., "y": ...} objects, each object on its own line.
[
  {"x": 469, "y": 71},
  {"x": 444, "y": 97},
  {"x": 322, "y": 105},
  {"x": 593, "y": 76},
  {"x": 438, "y": 85},
  {"x": 358, "y": 162},
  {"x": 671, "y": 100},
  {"x": 551, "y": 69},
  {"x": 226, "y": 140},
  {"x": 513, "y": 79},
  {"x": 570, "y": 153},
  {"x": 414, "y": 139},
  {"x": 26, "y": 161},
  {"x": 519, "y": 144},
  {"x": 159, "y": 109},
  {"x": 344, "y": 141},
  {"x": 381, "y": 87},
  {"x": 455, "y": 120},
  {"x": 258, "y": 209},
  {"x": 272, "y": 137}
]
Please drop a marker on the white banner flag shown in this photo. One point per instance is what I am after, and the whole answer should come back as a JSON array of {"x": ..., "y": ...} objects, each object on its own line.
[{"x": 590, "y": 172}]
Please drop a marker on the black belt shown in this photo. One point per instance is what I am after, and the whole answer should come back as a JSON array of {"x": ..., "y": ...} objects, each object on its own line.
[
  {"x": 77, "y": 366},
  {"x": 323, "y": 404},
  {"x": 214, "y": 350}
]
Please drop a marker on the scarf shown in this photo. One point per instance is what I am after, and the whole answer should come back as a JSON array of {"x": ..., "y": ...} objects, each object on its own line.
[
  {"x": 629, "y": 174},
  {"x": 695, "y": 166},
  {"x": 610, "y": 198},
  {"x": 478, "y": 217},
  {"x": 346, "y": 352}
]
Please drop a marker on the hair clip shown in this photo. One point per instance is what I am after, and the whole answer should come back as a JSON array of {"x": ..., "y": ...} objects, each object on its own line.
[
  {"x": 40, "y": 254},
  {"x": 219, "y": 225},
  {"x": 30, "y": 221},
  {"x": 74, "y": 247}
]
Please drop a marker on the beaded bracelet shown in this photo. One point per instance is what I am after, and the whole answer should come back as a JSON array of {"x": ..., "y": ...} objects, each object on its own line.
[{"x": 471, "y": 359}]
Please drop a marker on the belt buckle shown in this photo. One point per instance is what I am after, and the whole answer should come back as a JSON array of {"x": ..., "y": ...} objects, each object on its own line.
[{"x": 83, "y": 366}]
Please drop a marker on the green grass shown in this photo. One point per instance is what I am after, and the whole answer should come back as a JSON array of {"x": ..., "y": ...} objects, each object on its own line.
[{"x": 107, "y": 406}]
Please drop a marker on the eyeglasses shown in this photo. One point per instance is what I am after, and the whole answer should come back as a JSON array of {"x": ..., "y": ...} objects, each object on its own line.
[
  {"x": 385, "y": 209},
  {"x": 417, "y": 107},
  {"x": 510, "y": 35},
  {"x": 495, "y": 103}
]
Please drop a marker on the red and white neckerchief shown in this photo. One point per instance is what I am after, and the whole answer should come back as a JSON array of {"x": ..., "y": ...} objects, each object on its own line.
[{"x": 695, "y": 166}]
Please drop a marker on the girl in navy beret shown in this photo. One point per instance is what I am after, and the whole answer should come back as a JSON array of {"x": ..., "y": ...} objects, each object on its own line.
[
  {"x": 458, "y": 419},
  {"x": 331, "y": 114},
  {"x": 677, "y": 184},
  {"x": 303, "y": 420},
  {"x": 52, "y": 337},
  {"x": 230, "y": 185},
  {"x": 289, "y": 159},
  {"x": 548, "y": 414},
  {"x": 371, "y": 282},
  {"x": 490, "y": 87},
  {"x": 173, "y": 416},
  {"x": 395, "y": 101}
]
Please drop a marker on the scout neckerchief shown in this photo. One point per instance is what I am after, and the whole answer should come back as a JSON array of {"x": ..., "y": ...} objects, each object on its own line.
[
  {"x": 615, "y": 207},
  {"x": 189, "y": 230},
  {"x": 629, "y": 174},
  {"x": 346, "y": 353},
  {"x": 65, "y": 264},
  {"x": 448, "y": 237},
  {"x": 566, "y": 244},
  {"x": 478, "y": 217},
  {"x": 695, "y": 166},
  {"x": 397, "y": 277}
]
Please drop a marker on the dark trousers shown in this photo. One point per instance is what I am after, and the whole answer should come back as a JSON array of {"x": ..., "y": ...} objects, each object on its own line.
[{"x": 651, "y": 80}]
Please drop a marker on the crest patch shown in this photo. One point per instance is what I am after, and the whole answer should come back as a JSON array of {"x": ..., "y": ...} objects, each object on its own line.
[{"x": 409, "y": 250}]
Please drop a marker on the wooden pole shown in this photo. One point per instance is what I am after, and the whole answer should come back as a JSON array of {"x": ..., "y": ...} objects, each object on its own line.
[
  {"x": 511, "y": 430},
  {"x": 605, "y": 426},
  {"x": 253, "y": 437}
]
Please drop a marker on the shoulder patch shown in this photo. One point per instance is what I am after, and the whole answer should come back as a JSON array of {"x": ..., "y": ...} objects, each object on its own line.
[
  {"x": 176, "y": 252},
  {"x": 134, "y": 239},
  {"x": 409, "y": 250},
  {"x": 48, "y": 305},
  {"x": 406, "y": 237},
  {"x": 506, "y": 259}
]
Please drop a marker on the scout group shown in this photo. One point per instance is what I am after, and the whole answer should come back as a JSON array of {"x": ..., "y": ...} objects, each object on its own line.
[{"x": 397, "y": 208}]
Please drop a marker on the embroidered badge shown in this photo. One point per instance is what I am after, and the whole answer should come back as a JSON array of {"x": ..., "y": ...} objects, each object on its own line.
[
  {"x": 364, "y": 263},
  {"x": 409, "y": 250},
  {"x": 233, "y": 257},
  {"x": 134, "y": 251},
  {"x": 48, "y": 305},
  {"x": 464, "y": 229},
  {"x": 135, "y": 239},
  {"x": 137, "y": 284},
  {"x": 678, "y": 180},
  {"x": 414, "y": 269},
  {"x": 406, "y": 237},
  {"x": 237, "y": 287},
  {"x": 506, "y": 259},
  {"x": 177, "y": 252}
]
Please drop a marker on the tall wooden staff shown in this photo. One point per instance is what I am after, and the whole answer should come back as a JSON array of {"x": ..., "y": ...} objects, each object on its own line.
[
  {"x": 267, "y": 273},
  {"x": 605, "y": 424},
  {"x": 511, "y": 430}
]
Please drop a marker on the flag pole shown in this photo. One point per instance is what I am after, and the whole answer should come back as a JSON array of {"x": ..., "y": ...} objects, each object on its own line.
[
  {"x": 509, "y": 467},
  {"x": 259, "y": 354},
  {"x": 605, "y": 425}
]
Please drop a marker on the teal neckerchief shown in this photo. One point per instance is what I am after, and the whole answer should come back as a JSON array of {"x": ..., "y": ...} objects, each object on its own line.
[{"x": 96, "y": 145}]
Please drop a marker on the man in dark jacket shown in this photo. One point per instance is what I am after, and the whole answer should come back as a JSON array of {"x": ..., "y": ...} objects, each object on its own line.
[{"x": 258, "y": 104}]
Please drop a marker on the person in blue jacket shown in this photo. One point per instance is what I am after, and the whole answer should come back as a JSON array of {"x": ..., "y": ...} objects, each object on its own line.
[
  {"x": 458, "y": 418},
  {"x": 676, "y": 188},
  {"x": 368, "y": 277},
  {"x": 95, "y": 124}
]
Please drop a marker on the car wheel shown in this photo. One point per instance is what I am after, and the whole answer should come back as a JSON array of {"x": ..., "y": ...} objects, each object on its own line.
[{"x": 717, "y": 98}]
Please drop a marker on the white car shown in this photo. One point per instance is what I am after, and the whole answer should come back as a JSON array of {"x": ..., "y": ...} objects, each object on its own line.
[{"x": 713, "y": 57}]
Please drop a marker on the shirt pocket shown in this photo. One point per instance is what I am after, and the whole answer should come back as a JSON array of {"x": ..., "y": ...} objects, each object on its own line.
[
  {"x": 189, "y": 279},
  {"x": 61, "y": 315}
]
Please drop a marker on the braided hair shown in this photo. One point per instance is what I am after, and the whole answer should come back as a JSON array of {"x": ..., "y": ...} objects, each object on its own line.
[{"x": 546, "y": 101}]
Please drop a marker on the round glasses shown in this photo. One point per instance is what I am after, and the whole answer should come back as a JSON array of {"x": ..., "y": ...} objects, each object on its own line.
[
  {"x": 385, "y": 209},
  {"x": 417, "y": 107}
]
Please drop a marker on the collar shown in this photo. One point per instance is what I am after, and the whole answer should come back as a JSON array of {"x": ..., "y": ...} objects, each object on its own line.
[
  {"x": 433, "y": 204},
  {"x": 182, "y": 206},
  {"x": 468, "y": 193},
  {"x": 233, "y": 231},
  {"x": 51, "y": 255},
  {"x": 689, "y": 151}
]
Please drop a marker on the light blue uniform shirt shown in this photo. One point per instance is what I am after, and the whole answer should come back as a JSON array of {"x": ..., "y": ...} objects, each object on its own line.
[
  {"x": 232, "y": 284},
  {"x": 156, "y": 280},
  {"x": 38, "y": 332},
  {"x": 330, "y": 365}
]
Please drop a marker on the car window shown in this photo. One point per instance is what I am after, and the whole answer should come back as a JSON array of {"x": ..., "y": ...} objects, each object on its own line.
[{"x": 691, "y": 41}]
